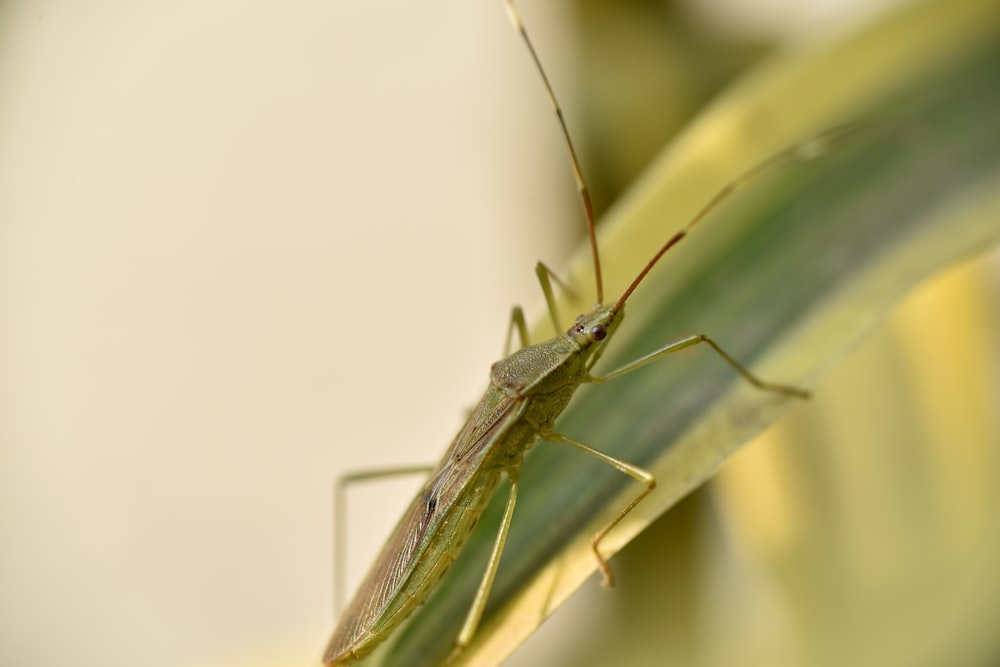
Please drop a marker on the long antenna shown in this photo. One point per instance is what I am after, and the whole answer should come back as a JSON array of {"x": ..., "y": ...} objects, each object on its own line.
[
  {"x": 801, "y": 152},
  {"x": 581, "y": 185}
]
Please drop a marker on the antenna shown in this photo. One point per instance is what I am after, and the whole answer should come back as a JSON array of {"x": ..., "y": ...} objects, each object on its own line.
[
  {"x": 581, "y": 184},
  {"x": 803, "y": 151}
]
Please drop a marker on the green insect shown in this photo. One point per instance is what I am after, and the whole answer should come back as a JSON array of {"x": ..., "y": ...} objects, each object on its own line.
[{"x": 527, "y": 392}]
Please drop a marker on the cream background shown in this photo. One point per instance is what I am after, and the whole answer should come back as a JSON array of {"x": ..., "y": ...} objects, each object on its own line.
[{"x": 244, "y": 246}]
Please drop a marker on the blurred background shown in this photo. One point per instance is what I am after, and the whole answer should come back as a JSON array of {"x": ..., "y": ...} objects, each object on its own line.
[{"x": 247, "y": 247}]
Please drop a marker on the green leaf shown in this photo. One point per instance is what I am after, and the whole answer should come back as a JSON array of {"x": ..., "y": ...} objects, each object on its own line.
[{"x": 787, "y": 278}]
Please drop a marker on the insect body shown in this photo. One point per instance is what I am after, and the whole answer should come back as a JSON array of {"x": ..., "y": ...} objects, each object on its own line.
[{"x": 527, "y": 392}]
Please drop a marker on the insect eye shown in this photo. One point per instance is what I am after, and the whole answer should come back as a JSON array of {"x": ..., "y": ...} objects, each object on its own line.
[{"x": 598, "y": 332}]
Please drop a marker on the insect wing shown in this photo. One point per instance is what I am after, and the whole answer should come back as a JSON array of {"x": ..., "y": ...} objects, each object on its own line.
[{"x": 371, "y": 611}]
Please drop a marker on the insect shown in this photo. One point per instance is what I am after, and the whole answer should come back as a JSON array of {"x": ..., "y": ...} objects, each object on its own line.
[{"x": 528, "y": 389}]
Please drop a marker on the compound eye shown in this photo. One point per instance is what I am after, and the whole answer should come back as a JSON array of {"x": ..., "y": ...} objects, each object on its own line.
[{"x": 598, "y": 332}]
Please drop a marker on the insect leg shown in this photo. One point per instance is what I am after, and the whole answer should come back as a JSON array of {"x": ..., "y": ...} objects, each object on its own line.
[
  {"x": 695, "y": 340},
  {"x": 516, "y": 322},
  {"x": 340, "y": 518},
  {"x": 545, "y": 277},
  {"x": 633, "y": 471},
  {"x": 483, "y": 592}
]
